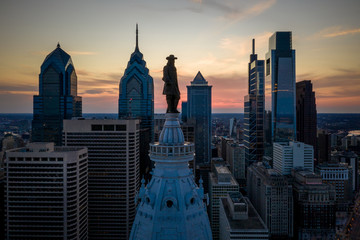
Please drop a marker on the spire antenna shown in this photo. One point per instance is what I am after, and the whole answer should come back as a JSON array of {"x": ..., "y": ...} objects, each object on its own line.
[
  {"x": 253, "y": 46},
  {"x": 137, "y": 38},
  {"x": 58, "y": 45}
]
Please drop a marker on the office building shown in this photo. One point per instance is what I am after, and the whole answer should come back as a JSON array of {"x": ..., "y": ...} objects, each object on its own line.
[
  {"x": 280, "y": 88},
  {"x": 289, "y": 155},
  {"x": 239, "y": 219},
  {"x": 235, "y": 155},
  {"x": 340, "y": 176},
  {"x": 271, "y": 194},
  {"x": 199, "y": 108},
  {"x": 136, "y": 100},
  {"x": 314, "y": 206},
  {"x": 306, "y": 115},
  {"x": 46, "y": 192},
  {"x": 221, "y": 182},
  {"x": 352, "y": 160},
  {"x": 254, "y": 110},
  {"x": 114, "y": 151},
  {"x": 57, "y": 99},
  {"x": 183, "y": 111},
  {"x": 136, "y": 91},
  {"x": 171, "y": 206}
]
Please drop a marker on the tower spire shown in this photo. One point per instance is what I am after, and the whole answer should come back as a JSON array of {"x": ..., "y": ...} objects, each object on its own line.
[
  {"x": 253, "y": 46},
  {"x": 137, "y": 38}
]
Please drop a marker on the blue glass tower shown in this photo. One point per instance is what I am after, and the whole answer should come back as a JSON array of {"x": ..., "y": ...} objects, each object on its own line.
[
  {"x": 254, "y": 111},
  {"x": 57, "y": 99},
  {"x": 199, "y": 108},
  {"x": 136, "y": 91},
  {"x": 280, "y": 89}
]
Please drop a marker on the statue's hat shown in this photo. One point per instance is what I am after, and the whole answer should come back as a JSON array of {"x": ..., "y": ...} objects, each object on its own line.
[{"x": 171, "y": 57}]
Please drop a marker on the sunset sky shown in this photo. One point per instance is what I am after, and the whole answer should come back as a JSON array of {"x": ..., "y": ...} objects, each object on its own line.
[{"x": 211, "y": 36}]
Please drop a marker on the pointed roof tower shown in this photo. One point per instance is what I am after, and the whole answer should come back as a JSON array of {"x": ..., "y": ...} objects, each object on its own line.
[{"x": 199, "y": 80}]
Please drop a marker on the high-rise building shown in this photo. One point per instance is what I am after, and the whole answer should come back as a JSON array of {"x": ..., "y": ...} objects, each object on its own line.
[
  {"x": 271, "y": 194},
  {"x": 352, "y": 160},
  {"x": 254, "y": 111},
  {"x": 280, "y": 88},
  {"x": 46, "y": 192},
  {"x": 289, "y": 155},
  {"x": 314, "y": 206},
  {"x": 183, "y": 111},
  {"x": 171, "y": 205},
  {"x": 306, "y": 115},
  {"x": 235, "y": 155},
  {"x": 57, "y": 99},
  {"x": 136, "y": 100},
  {"x": 136, "y": 91},
  {"x": 221, "y": 182},
  {"x": 113, "y": 147},
  {"x": 239, "y": 219},
  {"x": 199, "y": 108}
]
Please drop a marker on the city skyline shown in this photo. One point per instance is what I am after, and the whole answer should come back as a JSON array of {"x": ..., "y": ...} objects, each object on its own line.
[{"x": 213, "y": 37}]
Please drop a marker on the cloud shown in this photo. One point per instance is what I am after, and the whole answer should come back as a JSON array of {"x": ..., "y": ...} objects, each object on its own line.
[{"x": 336, "y": 31}]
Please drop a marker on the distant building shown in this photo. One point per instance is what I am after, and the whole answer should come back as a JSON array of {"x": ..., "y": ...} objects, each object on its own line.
[
  {"x": 46, "y": 192},
  {"x": 289, "y": 155},
  {"x": 224, "y": 145},
  {"x": 57, "y": 99},
  {"x": 184, "y": 111},
  {"x": 306, "y": 114},
  {"x": 254, "y": 111},
  {"x": 314, "y": 206},
  {"x": 340, "y": 176},
  {"x": 280, "y": 89},
  {"x": 221, "y": 182},
  {"x": 236, "y": 158},
  {"x": 271, "y": 194},
  {"x": 113, "y": 147},
  {"x": 239, "y": 219},
  {"x": 199, "y": 108}
]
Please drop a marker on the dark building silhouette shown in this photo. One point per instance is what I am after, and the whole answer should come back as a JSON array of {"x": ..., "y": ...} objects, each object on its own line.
[
  {"x": 57, "y": 99},
  {"x": 306, "y": 119},
  {"x": 323, "y": 147},
  {"x": 254, "y": 111}
]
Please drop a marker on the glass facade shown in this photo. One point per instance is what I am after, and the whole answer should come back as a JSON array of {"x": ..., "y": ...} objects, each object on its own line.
[
  {"x": 199, "y": 108},
  {"x": 280, "y": 88},
  {"x": 57, "y": 99},
  {"x": 254, "y": 111}
]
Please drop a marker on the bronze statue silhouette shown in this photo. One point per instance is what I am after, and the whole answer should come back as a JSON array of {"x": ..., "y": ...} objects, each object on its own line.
[{"x": 171, "y": 88}]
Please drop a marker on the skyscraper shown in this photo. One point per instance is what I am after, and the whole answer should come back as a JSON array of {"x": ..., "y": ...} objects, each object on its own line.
[
  {"x": 46, "y": 192},
  {"x": 113, "y": 147},
  {"x": 280, "y": 88},
  {"x": 289, "y": 155},
  {"x": 254, "y": 111},
  {"x": 306, "y": 119},
  {"x": 199, "y": 108},
  {"x": 57, "y": 99},
  {"x": 171, "y": 205},
  {"x": 136, "y": 100},
  {"x": 136, "y": 91}
]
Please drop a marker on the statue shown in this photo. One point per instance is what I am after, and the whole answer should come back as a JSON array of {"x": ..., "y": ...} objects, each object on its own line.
[{"x": 171, "y": 88}]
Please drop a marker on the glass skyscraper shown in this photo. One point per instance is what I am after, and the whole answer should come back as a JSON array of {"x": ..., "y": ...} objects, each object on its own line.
[
  {"x": 254, "y": 111},
  {"x": 136, "y": 91},
  {"x": 280, "y": 88},
  {"x": 57, "y": 99},
  {"x": 199, "y": 108}
]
